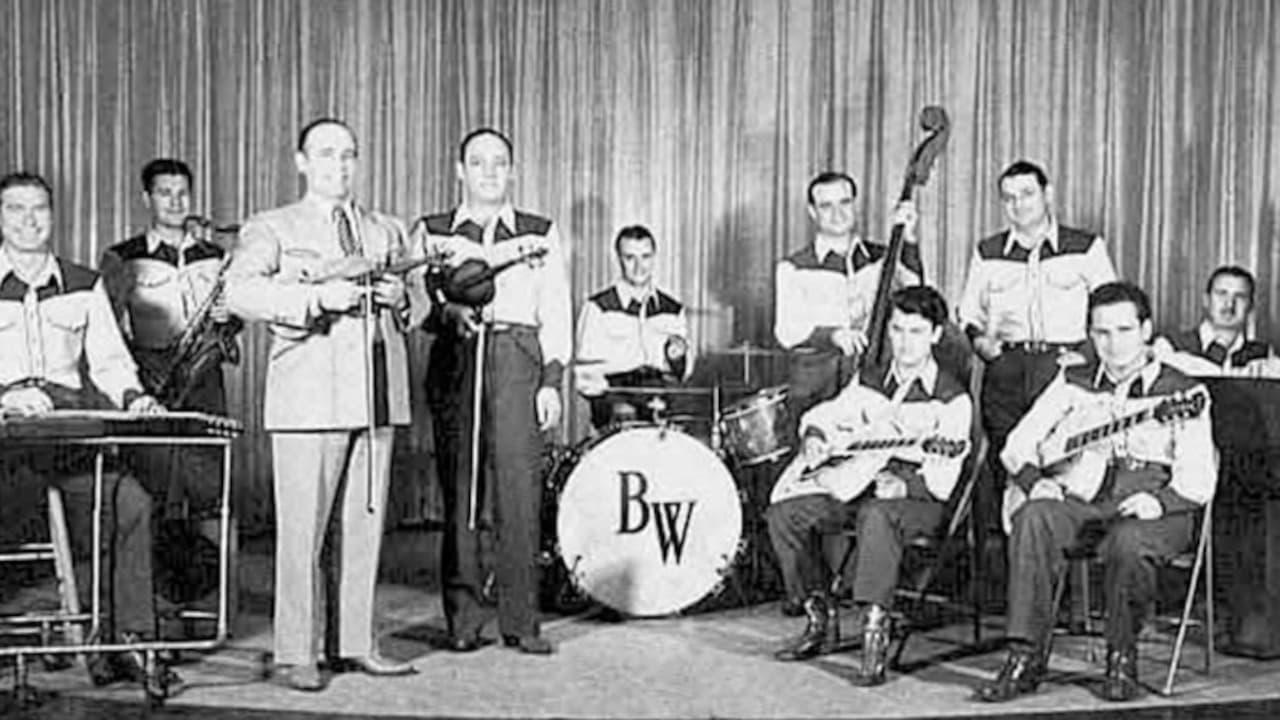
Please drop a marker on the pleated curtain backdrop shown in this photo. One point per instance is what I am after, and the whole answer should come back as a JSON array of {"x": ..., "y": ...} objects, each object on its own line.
[{"x": 703, "y": 119}]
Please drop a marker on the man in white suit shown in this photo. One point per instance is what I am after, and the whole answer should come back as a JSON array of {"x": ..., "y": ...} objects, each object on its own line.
[{"x": 328, "y": 371}]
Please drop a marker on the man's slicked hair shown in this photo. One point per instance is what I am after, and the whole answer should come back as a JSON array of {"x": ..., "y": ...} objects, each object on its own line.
[
  {"x": 1234, "y": 271},
  {"x": 921, "y": 300},
  {"x": 831, "y": 176},
  {"x": 480, "y": 132},
  {"x": 1114, "y": 293},
  {"x": 634, "y": 232},
  {"x": 306, "y": 131},
  {"x": 164, "y": 166},
  {"x": 23, "y": 178},
  {"x": 1024, "y": 167}
]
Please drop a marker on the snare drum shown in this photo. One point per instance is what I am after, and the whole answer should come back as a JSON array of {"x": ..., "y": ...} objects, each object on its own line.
[
  {"x": 755, "y": 428},
  {"x": 649, "y": 521}
]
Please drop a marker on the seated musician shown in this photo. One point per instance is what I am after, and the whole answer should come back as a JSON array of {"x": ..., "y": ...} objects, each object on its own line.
[
  {"x": 1133, "y": 492},
  {"x": 160, "y": 284},
  {"x": 631, "y": 335},
  {"x": 1220, "y": 344},
  {"x": 54, "y": 319},
  {"x": 907, "y": 487}
]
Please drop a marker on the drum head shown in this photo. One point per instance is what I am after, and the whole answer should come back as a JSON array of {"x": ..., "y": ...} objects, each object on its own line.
[{"x": 649, "y": 521}]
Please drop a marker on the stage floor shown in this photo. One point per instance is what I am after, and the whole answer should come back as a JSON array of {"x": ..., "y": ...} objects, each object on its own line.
[{"x": 713, "y": 664}]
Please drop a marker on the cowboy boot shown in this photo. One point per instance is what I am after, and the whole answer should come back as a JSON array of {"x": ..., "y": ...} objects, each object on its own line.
[
  {"x": 876, "y": 635},
  {"x": 813, "y": 641},
  {"x": 1121, "y": 684},
  {"x": 1021, "y": 674}
]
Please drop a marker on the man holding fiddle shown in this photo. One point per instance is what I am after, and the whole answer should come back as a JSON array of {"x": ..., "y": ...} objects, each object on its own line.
[
  {"x": 912, "y": 400},
  {"x": 1131, "y": 493},
  {"x": 518, "y": 337},
  {"x": 158, "y": 282},
  {"x": 630, "y": 335},
  {"x": 337, "y": 384},
  {"x": 63, "y": 350}
]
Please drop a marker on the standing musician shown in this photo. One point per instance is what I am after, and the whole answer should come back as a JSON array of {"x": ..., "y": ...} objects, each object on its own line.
[
  {"x": 1135, "y": 490},
  {"x": 1023, "y": 305},
  {"x": 823, "y": 299},
  {"x": 337, "y": 383},
  {"x": 638, "y": 332},
  {"x": 160, "y": 284},
  {"x": 1221, "y": 340},
  {"x": 524, "y": 329},
  {"x": 912, "y": 398},
  {"x": 63, "y": 350}
]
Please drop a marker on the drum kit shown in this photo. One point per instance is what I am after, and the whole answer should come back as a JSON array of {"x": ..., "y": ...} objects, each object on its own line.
[{"x": 649, "y": 516}]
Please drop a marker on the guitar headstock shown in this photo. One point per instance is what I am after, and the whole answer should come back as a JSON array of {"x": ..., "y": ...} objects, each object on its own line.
[
  {"x": 945, "y": 447},
  {"x": 1182, "y": 406}
]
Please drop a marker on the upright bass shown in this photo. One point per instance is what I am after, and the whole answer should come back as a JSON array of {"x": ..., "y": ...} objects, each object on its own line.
[{"x": 934, "y": 121}]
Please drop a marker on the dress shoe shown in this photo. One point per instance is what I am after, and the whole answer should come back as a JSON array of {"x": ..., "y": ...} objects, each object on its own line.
[
  {"x": 377, "y": 666},
  {"x": 816, "y": 638},
  {"x": 875, "y": 651},
  {"x": 306, "y": 677},
  {"x": 1021, "y": 674},
  {"x": 1121, "y": 684},
  {"x": 529, "y": 644}
]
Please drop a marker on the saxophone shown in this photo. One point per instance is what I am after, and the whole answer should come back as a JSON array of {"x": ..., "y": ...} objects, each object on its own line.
[{"x": 204, "y": 344}]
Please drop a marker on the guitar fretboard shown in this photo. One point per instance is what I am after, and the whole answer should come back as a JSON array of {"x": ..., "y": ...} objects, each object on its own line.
[{"x": 877, "y": 444}]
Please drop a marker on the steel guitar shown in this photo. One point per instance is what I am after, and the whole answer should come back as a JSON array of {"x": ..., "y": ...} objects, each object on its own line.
[{"x": 100, "y": 430}]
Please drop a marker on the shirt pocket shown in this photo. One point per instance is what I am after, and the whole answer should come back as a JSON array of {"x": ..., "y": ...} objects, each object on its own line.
[
  {"x": 65, "y": 325},
  {"x": 1064, "y": 278}
]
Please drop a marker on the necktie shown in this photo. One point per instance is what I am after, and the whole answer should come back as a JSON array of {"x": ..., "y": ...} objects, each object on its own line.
[
  {"x": 346, "y": 238},
  {"x": 1217, "y": 352}
]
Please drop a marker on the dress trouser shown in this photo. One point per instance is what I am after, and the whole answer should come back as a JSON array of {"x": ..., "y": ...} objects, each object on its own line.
[
  {"x": 1131, "y": 550},
  {"x": 321, "y": 490},
  {"x": 803, "y": 531},
  {"x": 884, "y": 529},
  {"x": 127, "y": 602},
  {"x": 498, "y": 557}
]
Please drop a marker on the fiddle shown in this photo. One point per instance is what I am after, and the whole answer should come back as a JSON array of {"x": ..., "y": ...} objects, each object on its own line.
[{"x": 471, "y": 282}]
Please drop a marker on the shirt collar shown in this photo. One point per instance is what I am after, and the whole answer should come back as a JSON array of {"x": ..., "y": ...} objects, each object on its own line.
[
  {"x": 927, "y": 375},
  {"x": 154, "y": 241},
  {"x": 1208, "y": 337},
  {"x": 51, "y": 270},
  {"x": 326, "y": 206},
  {"x": 506, "y": 215},
  {"x": 628, "y": 292},
  {"x": 1147, "y": 375},
  {"x": 823, "y": 245},
  {"x": 1031, "y": 242}
]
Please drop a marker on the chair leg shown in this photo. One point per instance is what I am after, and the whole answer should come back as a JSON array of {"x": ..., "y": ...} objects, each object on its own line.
[
  {"x": 1208, "y": 591},
  {"x": 1186, "y": 614}
]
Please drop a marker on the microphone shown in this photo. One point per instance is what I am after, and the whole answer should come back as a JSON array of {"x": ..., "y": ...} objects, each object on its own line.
[{"x": 198, "y": 224}]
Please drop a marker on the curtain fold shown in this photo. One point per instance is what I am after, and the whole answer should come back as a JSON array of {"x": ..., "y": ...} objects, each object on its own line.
[{"x": 703, "y": 120}]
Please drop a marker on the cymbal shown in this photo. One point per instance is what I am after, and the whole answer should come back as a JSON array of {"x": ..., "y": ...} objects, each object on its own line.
[{"x": 660, "y": 390}]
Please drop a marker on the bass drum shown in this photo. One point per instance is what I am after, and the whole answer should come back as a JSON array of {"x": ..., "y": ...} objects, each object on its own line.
[{"x": 649, "y": 521}]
